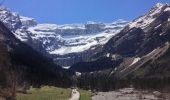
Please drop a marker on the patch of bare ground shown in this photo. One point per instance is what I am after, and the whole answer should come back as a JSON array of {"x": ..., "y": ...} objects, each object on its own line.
[{"x": 131, "y": 94}]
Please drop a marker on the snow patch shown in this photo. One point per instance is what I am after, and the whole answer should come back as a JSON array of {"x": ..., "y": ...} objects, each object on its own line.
[
  {"x": 142, "y": 22},
  {"x": 168, "y": 19},
  {"x": 158, "y": 26},
  {"x": 159, "y": 5},
  {"x": 152, "y": 52},
  {"x": 78, "y": 73},
  {"x": 66, "y": 67},
  {"x": 135, "y": 61},
  {"x": 22, "y": 18},
  {"x": 73, "y": 49},
  {"x": 167, "y": 9},
  {"x": 108, "y": 55}
]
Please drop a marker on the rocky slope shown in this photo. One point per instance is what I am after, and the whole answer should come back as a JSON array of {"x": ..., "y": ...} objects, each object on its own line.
[
  {"x": 131, "y": 94},
  {"x": 142, "y": 42},
  {"x": 146, "y": 39},
  {"x": 66, "y": 44}
]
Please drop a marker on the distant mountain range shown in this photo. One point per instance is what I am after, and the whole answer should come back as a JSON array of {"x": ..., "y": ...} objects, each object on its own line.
[
  {"x": 119, "y": 48},
  {"x": 66, "y": 44}
]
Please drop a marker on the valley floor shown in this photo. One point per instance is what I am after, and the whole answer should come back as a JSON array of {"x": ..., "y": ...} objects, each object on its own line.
[
  {"x": 45, "y": 93},
  {"x": 131, "y": 94},
  {"x": 85, "y": 95},
  {"x": 55, "y": 93}
]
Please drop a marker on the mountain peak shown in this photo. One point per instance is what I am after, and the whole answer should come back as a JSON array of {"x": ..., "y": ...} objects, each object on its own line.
[
  {"x": 26, "y": 21},
  {"x": 159, "y": 5},
  {"x": 145, "y": 20}
]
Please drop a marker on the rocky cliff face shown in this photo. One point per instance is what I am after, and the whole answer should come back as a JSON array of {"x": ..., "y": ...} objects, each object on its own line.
[{"x": 66, "y": 44}]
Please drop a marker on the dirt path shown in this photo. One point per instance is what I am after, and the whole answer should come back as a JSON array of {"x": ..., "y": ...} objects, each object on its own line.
[{"x": 75, "y": 95}]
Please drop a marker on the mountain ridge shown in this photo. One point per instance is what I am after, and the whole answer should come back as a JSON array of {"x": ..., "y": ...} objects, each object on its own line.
[
  {"x": 66, "y": 44},
  {"x": 24, "y": 64},
  {"x": 136, "y": 40}
]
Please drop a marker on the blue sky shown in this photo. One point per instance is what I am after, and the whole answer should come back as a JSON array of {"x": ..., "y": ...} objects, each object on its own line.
[{"x": 81, "y": 11}]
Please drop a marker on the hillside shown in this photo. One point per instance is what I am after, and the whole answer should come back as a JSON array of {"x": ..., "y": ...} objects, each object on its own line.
[
  {"x": 137, "y": 56},
  {"x": 139, "y": 42},
  {"x": 21, "y": 65}
]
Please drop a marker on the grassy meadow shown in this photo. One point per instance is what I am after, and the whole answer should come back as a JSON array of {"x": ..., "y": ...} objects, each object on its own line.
[
  {"x": 85, "y": 95},
  {"x": 45, "y": 93}
]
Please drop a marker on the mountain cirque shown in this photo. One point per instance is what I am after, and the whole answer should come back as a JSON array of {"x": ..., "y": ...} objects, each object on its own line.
[{"x": 66, "y": 44}]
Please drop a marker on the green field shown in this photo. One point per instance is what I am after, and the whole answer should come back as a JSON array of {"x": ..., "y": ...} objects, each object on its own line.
[
  {"x": 45, "y": 93},
  {"x": 85, "y": 95}
]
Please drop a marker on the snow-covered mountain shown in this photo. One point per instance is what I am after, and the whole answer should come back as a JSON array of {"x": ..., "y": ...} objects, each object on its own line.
[
  {"x": 144, "y": 21},
  {"x": 68, "y": 43},
  {"x": 141, "y": 49}
]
